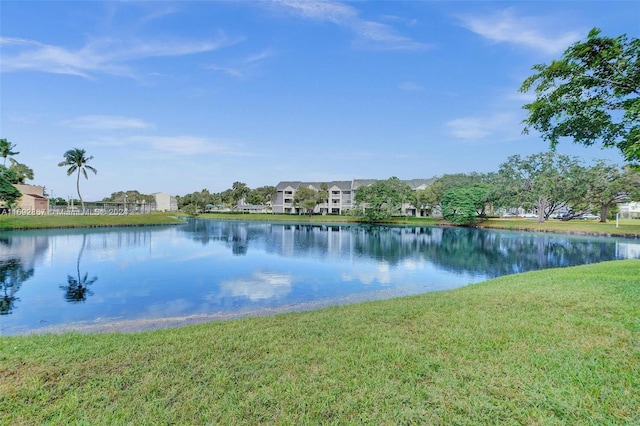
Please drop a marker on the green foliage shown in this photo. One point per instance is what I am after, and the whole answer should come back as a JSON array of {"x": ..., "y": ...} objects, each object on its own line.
[
  {"x": 239, "y": 191},
  {"x": 21, "y": 170},
  {"x": 463, "y": 205},
  {"x": 591, "y": 94},
  {"x": 7, "y": 150},
  {"x": 383, "y": 199},
  {"x": 261, "y": 195},
  {"x": 307, "y": 199},
  {"x": 190, "y": 209},
  {"x": 8, "y": 193},
  {"x": 608, "y": 186},
  {"x": 131, "y": 196},
  {"x": 545, "y": 182},
  {"x": 433, "y": 195}
]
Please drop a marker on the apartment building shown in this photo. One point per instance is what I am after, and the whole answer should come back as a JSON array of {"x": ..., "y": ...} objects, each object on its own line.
[{"x": 341, "y": 195}]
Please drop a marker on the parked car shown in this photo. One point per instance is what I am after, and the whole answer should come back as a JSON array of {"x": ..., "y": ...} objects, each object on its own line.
[
  {"x": 588, "y": 216},
  {"x": 529, "y": 216}
]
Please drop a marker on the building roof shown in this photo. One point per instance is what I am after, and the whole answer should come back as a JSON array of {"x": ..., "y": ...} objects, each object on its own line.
[{"x": 39, "y": 197}]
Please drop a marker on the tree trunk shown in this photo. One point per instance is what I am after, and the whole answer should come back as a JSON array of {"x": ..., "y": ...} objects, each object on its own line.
[
  {"x": 604, "y": 212},
  {"x": 78, "y": 188}
]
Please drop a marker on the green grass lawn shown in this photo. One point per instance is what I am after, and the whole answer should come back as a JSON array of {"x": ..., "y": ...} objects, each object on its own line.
[
  {"x": 553, "y": 347},
  {"x": 55, "y": 221}
]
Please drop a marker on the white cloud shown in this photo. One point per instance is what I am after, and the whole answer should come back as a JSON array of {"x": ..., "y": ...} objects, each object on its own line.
[
  {"x": 505, "y": 27},
  {"x": 181, "y": 145},
  {"x": 97, "y": 56},
  {"x": 481, "y": 127},
  {"x": 107, "y": 122},
  {"x": 369, "y": 34}
]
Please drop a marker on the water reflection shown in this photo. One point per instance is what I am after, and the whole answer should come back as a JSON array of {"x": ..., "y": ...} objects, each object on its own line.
[
  {"x": 220, "y": 269},
  {"x": 12, "y": 275},
  {"x": 474, "y": 251},
  {"x": 17, "y": 259},
  {"x": 76, "y": 290}
]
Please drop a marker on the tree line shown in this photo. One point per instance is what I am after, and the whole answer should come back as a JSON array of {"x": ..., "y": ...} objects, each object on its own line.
[{"x": 546, "y": 183}]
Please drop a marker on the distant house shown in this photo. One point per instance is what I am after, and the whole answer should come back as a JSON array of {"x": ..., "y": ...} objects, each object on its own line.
[
  {"x": 252, "y": 208},
  {"x": 165, "y": 202},
  {"x": 630, "y": 210},
  {"x": 32, "y": 198}
]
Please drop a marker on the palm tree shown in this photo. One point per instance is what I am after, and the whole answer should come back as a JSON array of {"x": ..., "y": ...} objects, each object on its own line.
[
  {"x": 76, "y": 159},
  {"x": 6, "y": 149}
]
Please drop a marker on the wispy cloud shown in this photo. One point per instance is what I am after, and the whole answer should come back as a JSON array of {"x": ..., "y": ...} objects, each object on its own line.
[
  {"x": 506, "y": 27},
  {"x": 410, "y": 86},
  {"x": 476, "y": 128},
  {"x": 107, "y": 122},
  {"x": 105, "y": 55},
  {"x": 244, "y": 67},
  {"x": 182, "y": 145},
  {"x": 368, "y": 34}
]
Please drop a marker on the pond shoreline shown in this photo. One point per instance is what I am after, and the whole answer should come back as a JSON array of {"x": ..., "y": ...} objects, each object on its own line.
[{"x": 315, "y": 220}]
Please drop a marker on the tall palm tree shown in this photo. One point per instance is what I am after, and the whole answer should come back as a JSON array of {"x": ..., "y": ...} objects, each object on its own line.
[
  {"x": 6, "y": 150},
  {"x": 76, "y": 159}
]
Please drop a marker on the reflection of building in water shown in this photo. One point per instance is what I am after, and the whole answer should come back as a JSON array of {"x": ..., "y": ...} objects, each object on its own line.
[
  {"x": 389, "y": 243},
  {"x": 18, "y": 257},
  {"x": 627, "y": 250},
  {"x": 104, "y": 243},
  {"x": 26, "y": 248}
]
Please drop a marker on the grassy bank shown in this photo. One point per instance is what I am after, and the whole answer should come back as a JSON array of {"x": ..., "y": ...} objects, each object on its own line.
[
  {"x": 549, "y": 347},
  {"x": 55, "y": 221},
  {"x": 626, "y": 227}
]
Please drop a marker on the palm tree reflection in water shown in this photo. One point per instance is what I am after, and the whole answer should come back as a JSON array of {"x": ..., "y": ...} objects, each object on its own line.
[{"x": 76, "y": 290}]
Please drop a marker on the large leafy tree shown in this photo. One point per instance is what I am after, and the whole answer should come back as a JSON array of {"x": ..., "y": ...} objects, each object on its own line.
[
  {"x": 608, "y": 185},
  {"x": 131, "y": 196},
  {"x": 307, "y": 199},
  {"x": 7, "y": 150},
  {"x": 23, "y": 172},
  {"x": 384, "y": 198},
  {"x": 465, "y": 205},
  {"x": 591, "y": 94},
  {"x": 432, "y": 196},
  {"x": 8, "y": 193},
  {"x": 239, "y": 191},
  {"x": 545, "y": 182},
  {"x": 261, "y": 195},
  {"x": 76, "y": 160}
]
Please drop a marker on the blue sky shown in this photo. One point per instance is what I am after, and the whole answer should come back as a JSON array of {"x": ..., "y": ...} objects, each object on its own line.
[{"x": 181, "y": 96}]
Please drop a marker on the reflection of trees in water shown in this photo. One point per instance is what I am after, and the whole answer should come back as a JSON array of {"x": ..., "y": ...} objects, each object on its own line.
[
  {"x": 12, "y": 275},
  {"x": 18, "y": 256},
  {"x": 476, "y": 251},
  {"x": 76, "y": 290}
]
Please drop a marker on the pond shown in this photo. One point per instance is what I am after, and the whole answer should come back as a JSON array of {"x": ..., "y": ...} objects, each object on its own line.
[{"x": 153, "y": 277}]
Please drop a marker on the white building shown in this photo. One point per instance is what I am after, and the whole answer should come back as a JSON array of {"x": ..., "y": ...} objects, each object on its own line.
[
  {"x": 629, "y": 210},
  {"x": 165, "y": 202},
  {"x": 341, "y": 195}
]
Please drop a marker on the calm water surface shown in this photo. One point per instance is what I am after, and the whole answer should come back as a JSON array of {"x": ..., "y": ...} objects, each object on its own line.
[{"x": 152, "y": 277}]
